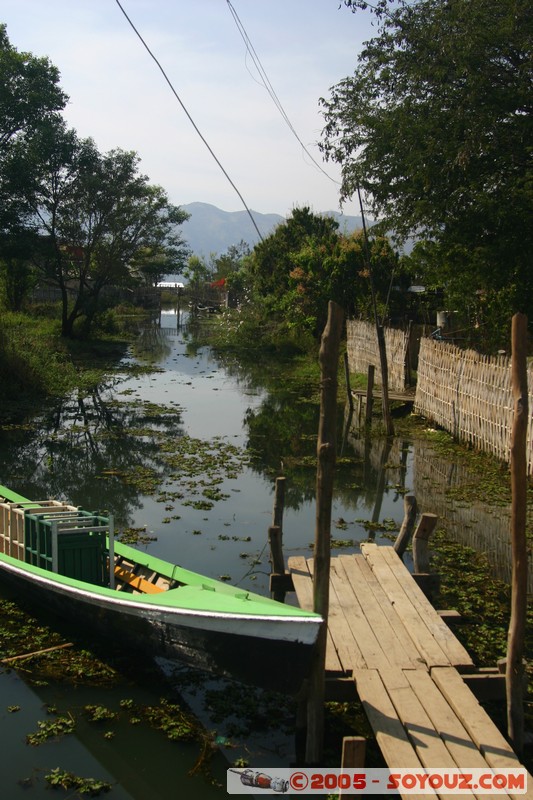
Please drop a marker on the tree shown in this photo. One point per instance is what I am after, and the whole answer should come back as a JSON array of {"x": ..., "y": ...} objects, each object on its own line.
[
  {"x": 97, "y": 217},
  {"x": 271, "y": 264},
  {"x": 339, "y": 272},
  {"x": 30, "y": 99},
  {"x": 435, "y": 127}
]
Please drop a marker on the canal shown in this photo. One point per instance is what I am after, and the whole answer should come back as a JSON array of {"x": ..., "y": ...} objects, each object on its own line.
[{"x": 184, "y": 449}]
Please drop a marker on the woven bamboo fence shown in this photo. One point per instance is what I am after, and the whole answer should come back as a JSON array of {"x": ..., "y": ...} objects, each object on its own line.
[
  {"x": 362, "y": 349},
  {"x": 470, "y": 396}
]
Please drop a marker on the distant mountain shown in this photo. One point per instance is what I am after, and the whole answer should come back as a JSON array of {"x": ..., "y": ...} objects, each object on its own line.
[{"x": 211, "y": 230}]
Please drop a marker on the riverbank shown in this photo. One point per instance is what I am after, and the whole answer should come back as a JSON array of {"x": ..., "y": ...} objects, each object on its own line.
[{"x": 37, "y": 363}]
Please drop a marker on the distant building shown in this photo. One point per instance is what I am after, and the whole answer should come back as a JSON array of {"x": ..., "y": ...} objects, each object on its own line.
[{"x": 170, "y": 285}]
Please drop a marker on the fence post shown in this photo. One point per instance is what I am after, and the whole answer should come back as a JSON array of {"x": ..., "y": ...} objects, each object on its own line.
[
  {"x": 514, "y": 674},
  {"x": 408, "y": 524},
  {"x": 326, "y": 459}
]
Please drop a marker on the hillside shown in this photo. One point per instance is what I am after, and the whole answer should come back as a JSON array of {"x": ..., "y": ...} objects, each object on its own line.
[{"x": 211, "y": 230}]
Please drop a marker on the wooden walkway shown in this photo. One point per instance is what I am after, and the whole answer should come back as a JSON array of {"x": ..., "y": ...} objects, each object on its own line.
[{"x": 406, "y": 664}]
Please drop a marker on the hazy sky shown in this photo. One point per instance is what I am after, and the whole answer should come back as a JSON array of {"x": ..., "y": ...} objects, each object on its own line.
[{"x": 119, "y": 97}]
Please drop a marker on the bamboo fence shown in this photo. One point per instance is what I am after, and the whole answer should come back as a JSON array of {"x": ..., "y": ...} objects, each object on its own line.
[
  {"x": 469, "y": 395},
  {"x": 362, "y": 349}
]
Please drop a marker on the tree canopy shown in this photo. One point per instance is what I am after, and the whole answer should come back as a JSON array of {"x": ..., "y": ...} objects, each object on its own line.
[
  {"x": 306, "y": 262},
  {"x": 77, "y": 218},
  {"x": 435, "y": 127}
]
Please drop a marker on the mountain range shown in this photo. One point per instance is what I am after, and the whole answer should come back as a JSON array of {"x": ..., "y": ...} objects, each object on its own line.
[{"x": 211, "y": 230}]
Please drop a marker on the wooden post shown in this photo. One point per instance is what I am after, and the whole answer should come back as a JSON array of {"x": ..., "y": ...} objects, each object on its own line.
[
  {"x": 369, "y": 394},
  {"x": 408, "y": 524},
  {"x": 425, "y": 528},
  {"x": 408, "y": 365},
  {"x": 276, "y": 555},
  {"x": 279, "y": 504},
  {"x": 387, "y": 419},
  {"x": 514, "y": 675},
  {"x": 347, "y": 379},
  {"x": 353, "y": 756},
  {"x": 326, "y": 458}
]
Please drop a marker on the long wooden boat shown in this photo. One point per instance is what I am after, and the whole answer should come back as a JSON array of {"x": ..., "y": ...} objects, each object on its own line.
[{"x": 64, "y": 560}]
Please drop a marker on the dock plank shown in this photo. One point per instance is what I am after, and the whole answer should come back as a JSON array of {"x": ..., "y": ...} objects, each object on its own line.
[
  {"x": 391, "y": 735},
  {"x": 355, "y": 621},
  {"x": 382, "y": 617},
  {"x": 456, "y": 738},
  {"x": 303, "y": 585},
  {"x": 457, "y": 654},
  {"x": 342, "y": 614},
  {"x": 495, "y": 749},
  {"x": 424, "y": 625}
]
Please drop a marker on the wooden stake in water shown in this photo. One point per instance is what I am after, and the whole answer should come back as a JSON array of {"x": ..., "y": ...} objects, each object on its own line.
[
  {"x": 326, "y": 459},
  {"x": 514, "y": 675}
]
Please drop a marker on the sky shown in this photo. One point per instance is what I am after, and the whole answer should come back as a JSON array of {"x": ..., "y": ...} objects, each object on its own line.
[{"x": 119, "y": 97}]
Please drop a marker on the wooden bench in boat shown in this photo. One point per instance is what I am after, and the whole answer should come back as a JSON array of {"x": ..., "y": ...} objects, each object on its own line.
[
  {"x": 406, "y": 664},
  {"x": 136, "y": 582}
]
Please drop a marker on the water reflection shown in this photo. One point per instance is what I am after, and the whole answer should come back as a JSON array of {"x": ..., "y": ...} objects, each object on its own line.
[
  {"x": 112, "y": 449},
  {"x": 477, "y": 524},
  {"x": 81, "y": 449}
]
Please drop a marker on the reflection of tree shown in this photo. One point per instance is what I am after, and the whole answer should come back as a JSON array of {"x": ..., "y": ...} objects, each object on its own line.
[
  {"x": 152, "y": 345},
  {"x": 282, "y": 435},
  {"x": 84, "y": 449}
]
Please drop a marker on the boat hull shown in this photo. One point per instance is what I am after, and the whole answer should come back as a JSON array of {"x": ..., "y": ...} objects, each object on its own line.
[{"x": 267, "y": 651}]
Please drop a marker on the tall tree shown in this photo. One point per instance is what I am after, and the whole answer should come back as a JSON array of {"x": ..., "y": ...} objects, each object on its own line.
[
  {"x": 271, "y": 263},
  {"x": 30, "y": 99},
  {"x": 98, "y": 217},
  {"x": 435, "y": 125}
]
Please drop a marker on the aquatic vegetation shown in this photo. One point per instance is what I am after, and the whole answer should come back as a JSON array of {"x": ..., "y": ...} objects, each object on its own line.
[
  {"x": 99, "y": 713},
  {"x": 62, "y": 779},
  {"x": 51, "y": 729},
  {"x": 135, "y": 536}
]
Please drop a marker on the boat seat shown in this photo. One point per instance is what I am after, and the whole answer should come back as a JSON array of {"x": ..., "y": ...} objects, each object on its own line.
[{"x": 136, "y": 581}]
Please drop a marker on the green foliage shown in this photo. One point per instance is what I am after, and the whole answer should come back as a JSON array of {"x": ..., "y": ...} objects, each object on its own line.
[
  {"x": 70, "y": 216},
  {"x": 294, "y": 273},
  {"x": 435, "y": 126},
  {"x": 51, "y": 729},
  {"x": 59, "y": 778}
]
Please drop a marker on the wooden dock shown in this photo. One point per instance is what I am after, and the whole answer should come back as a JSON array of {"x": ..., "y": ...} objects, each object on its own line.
[{"x": 385, "y": 637}]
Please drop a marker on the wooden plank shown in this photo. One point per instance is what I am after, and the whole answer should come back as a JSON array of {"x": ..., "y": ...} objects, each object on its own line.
[
  {"x": 427, "y": 646},
  {"x": 302, "y": 580},
  {"x": 346, "y": 643},
  {"x": 431, "y": 635},
  {"x": 484, "y": 733},
  {"x": 451, "y": 730},
  {"x": 381, "y": 615},
  {"x": 303, "y": 586},
  {"x": 390, "y": 734},
  {"x": 457, "y": 654},
  {"x": 422, "y": 733},
  {"x": 136, "y": 581},
  {"x": 367, "y": 650}
]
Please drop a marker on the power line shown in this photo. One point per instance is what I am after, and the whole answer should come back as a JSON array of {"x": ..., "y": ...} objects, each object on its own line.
[
  {"x": 193, "y": 123},
  {"x": 265, "y": 82}
]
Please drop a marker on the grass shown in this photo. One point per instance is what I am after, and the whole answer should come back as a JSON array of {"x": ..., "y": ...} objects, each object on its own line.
[{"x": 37, "y": 363}]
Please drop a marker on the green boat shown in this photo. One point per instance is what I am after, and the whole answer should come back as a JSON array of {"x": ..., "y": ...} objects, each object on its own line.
[{"x": 59, "y": 559}]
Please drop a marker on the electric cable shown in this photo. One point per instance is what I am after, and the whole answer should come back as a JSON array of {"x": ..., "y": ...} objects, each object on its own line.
[
  {"x": 265, "y": 82},
  {"x": 191, "y": 120}
]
